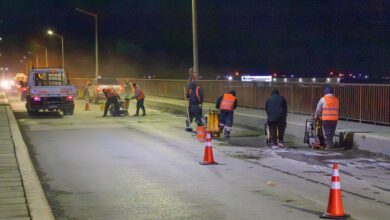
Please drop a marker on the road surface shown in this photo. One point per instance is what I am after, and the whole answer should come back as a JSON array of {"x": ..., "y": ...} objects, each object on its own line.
[{"x": 148, "y": 168}]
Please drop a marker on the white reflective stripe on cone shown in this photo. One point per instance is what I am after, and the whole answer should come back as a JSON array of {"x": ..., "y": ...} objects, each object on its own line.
[
  {"x": 335, "y": 185},
  {"x": 208, "y": 144},
  {"x": 335, "y": 172}
]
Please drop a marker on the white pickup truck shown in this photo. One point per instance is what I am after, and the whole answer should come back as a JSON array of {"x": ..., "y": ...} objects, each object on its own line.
[{"x": 49, "y": 90}]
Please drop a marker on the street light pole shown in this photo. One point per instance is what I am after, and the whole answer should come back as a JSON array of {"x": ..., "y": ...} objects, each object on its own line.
[
  {"x": 36, "y": 58},
  {"x": 194, "y": 40},
  {"x": 50, "y": 32},
  {"x": 45, "y": 48},
  {"x": 96, "y": 39}
]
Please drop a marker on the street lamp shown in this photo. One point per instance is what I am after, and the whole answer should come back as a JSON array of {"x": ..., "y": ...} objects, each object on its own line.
[
  {"x": 36, "y": 58},
  {"x": 194, "y": 40},
  {"x": 96, "y": 39},
  {"x": 45, "y": 48},
  {"x": 50, "y": 32},
  {"x": 30, "y": 63}
]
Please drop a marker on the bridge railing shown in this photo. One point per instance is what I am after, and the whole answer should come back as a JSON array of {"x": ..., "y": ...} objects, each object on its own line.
[{"x": 367, "y": 103}]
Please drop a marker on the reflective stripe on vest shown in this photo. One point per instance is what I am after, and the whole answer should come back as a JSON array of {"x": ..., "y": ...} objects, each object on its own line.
[
  {"x": 227, "y": 102},
  {"x": 330, "y": 112}
]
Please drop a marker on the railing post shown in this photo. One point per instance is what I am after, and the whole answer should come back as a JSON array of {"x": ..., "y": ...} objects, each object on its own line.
[{"x": 360, "y": 104}]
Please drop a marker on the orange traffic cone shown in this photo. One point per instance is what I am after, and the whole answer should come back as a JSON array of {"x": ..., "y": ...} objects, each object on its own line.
[
  {"x": 87, "y": 107},
  {"x": 208, "y": 158},
  {"x": 201, "y": 133},
  {"x": 335, "y": 203}
]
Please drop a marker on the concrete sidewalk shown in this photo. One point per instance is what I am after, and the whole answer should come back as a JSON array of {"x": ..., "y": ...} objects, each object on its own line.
[
  {"x": 366, "y": 137},
  {"x": 21, "y": 194}
]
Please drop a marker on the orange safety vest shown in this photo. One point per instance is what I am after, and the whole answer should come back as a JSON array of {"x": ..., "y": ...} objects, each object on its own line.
[
  {"x": 330, "y": 112},
  {"x": 227, "y": 102},
  {"x": 110, "y": 93},
  {"x": 141, "y": 94},
  {"x": 196, "y": 93}
]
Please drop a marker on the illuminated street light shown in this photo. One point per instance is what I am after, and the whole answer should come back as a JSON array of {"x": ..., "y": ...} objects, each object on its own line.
[
  {"x": 96, "y": 39},
  {"x": 314, "y": 79},
  {"x": 327, "y": 79},
  {"x": 285, "y": 80},
  {"x": 51, "y": 33},
  {"x": 300, "y": 80}
]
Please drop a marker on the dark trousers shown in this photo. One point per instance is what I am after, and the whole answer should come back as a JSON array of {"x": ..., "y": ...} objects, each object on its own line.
[
  {"x": 109, "y": 101},
  {"x": 226, "y": 119},
  {"x": 276, "y": 131},
  {"x": 195, "y": 112},
  {"x": 140, "y": 105},
  {"x": 329, "y": 129}
]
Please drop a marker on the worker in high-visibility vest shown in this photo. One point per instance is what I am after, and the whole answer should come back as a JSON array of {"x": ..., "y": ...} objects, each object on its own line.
[
  {"x": 111, "y": 98},
  {"x": 328, "y": 109},
  {"x": 139, "y": 95},
  {"x": 195, "y": 101},
  {"x": 226, "y": 104}
]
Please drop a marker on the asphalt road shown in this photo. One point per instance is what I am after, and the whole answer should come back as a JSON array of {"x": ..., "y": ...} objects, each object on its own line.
[{"x": 147, "y": 168}]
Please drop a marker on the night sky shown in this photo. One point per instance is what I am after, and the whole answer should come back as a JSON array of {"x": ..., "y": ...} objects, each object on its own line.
[{"x": 138, "y": 37}]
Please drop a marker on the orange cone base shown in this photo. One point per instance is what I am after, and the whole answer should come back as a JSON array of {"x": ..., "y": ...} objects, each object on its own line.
[
  {"x": 208, "y": 163},
  {"x": 329, "y": 216}
]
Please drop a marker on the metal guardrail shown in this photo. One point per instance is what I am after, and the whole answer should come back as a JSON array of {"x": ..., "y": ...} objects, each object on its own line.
[{"x": 366, "y": 103}]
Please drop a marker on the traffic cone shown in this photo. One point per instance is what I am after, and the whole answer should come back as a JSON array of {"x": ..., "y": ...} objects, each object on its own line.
[
  {"x": 201, "y": 133},
  {"x": 335, "y": 203},
  {"x": 208, "y": 158},
  {"x": 87, "y": 107}
]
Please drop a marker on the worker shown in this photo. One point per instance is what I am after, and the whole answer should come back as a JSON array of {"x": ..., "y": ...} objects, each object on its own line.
[
  {"x": 140, "y": 97},
  {"x": 276, "y": 108},
  {"x": 111, "y": 98},
  {"x": 328, "y": 109},
  {"x": 226, "y": 103},
  {"x": 195, "y": 96},
  {"x": 127, "y": 93}
]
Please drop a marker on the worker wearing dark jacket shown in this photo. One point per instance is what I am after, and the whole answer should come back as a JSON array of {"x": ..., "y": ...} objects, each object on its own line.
[
  {"x": 195, "y": 96},
  {"x": 111, "y": 98},
  {"x": 140, "y": 97},
  {"x": 276, "y": 108},
  {"x": 226, "y": 104}
]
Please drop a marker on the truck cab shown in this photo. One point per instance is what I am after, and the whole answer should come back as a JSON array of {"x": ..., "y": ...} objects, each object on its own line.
[{"x": 48, "y": 89}]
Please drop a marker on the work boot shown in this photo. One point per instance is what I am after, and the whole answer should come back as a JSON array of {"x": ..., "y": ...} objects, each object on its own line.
[{"x": 226, "y": 134}]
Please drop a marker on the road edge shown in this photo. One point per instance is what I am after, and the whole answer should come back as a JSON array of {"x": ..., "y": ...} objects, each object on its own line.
[{"x": 37, "y": 203}]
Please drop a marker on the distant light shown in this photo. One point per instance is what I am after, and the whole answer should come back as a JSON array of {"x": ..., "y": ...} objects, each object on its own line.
[
  {"x": 1, "y": 38},
  {"x": 314, "y": 79},
  {"x": 366, "y": 76},
  {"x": 350, "y": 75},
  {"x": 256, "y": 78},
  {"x": 99, "y": 77},
  {"x": 292, "y": 75},
  {"x": 274, "y": 79},
  {"x": 237, "y": 73},
  {"x": 275, "y": 74},
  {"x": 327, "y": 79},
  {"x": 338, "y": 80},
  {"x": 331, "y": 73},
  {"x": 300, "y": 80},
  {"x": 230, "y": 78},
  {"x": 285, "y": 80},
  {"x": 50, "y": 32}
]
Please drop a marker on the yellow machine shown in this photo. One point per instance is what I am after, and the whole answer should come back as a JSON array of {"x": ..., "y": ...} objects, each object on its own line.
[{"x": 212, "y": 123}]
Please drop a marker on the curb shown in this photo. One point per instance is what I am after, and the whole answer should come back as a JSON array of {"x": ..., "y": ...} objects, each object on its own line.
[{"x": 37, "y": 203}]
